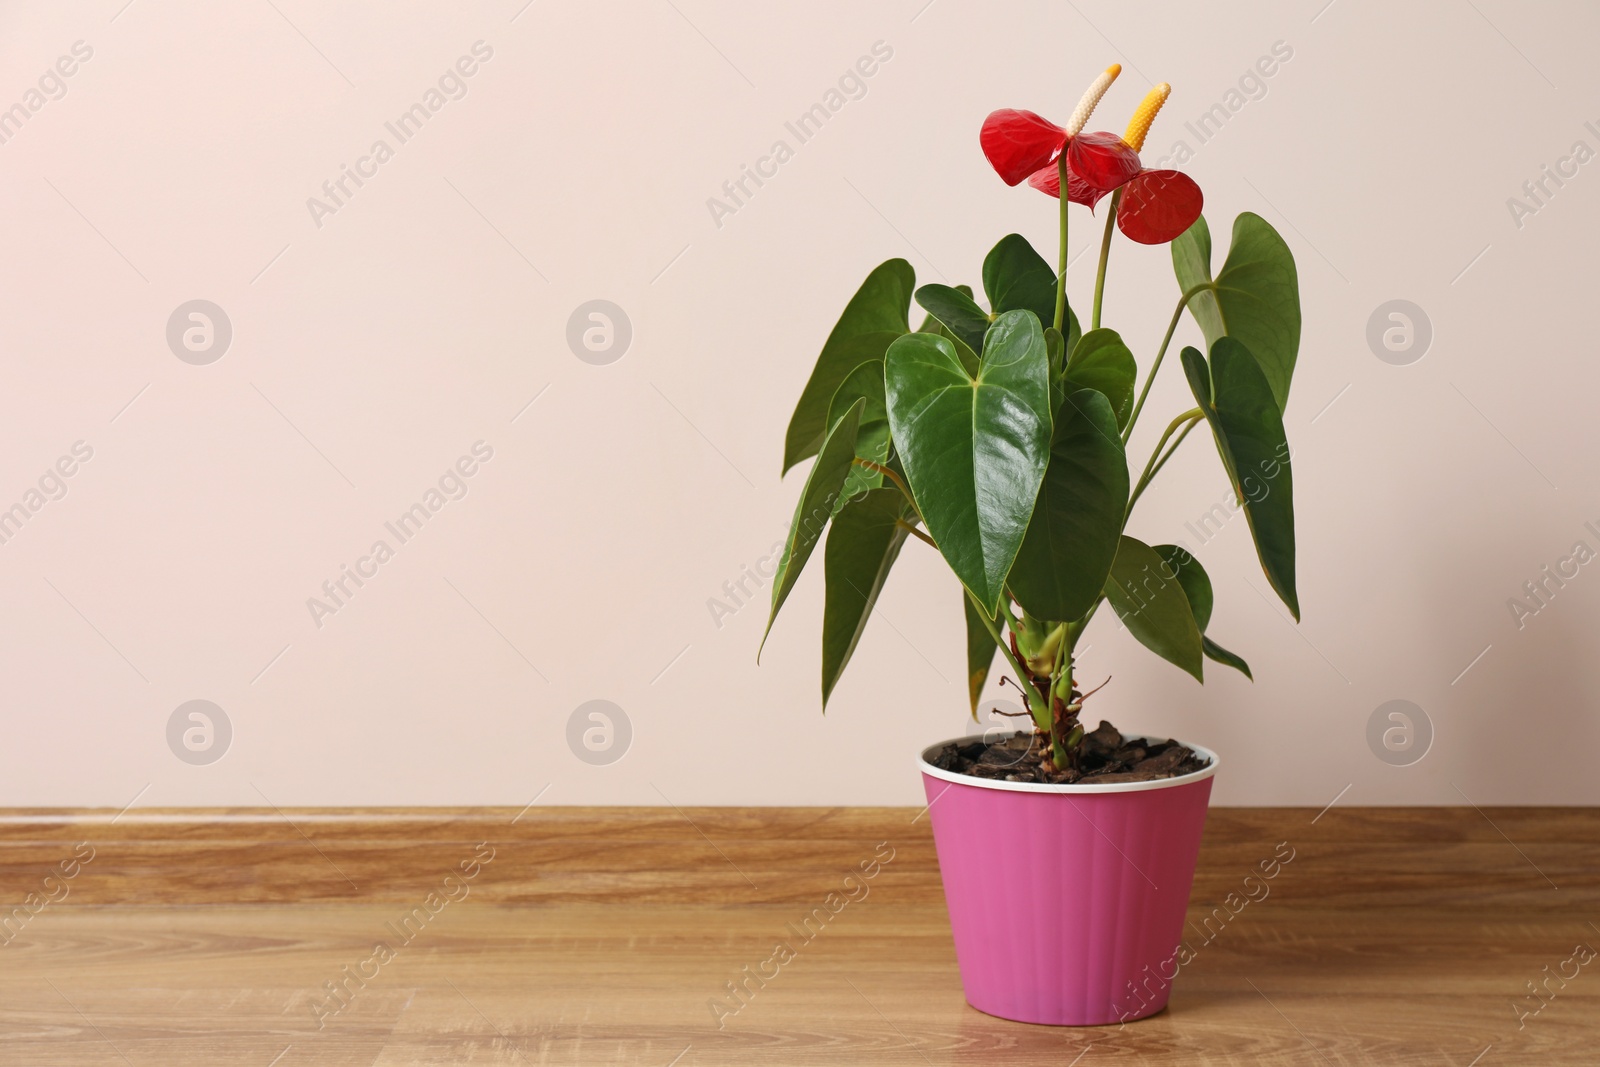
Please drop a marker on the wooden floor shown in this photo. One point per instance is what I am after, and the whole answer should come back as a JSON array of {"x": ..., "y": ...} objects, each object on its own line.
[{"x": 1393, "y": 937}]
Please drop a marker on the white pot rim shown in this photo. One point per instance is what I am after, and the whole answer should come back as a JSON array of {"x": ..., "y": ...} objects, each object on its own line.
[{"x": 926, "y": 767}]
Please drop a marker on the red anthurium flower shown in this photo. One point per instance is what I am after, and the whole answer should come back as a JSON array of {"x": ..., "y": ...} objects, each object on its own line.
[
  {"x": 1156, "y": 205},
  {"x": 1022, "y": 145},
  {"x": 1097, "y": 163},
  {"x": 1018, "y": 143}
]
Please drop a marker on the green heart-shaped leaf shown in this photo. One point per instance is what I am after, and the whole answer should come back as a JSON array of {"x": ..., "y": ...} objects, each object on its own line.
[
  {"x": 1197, "y": 587},
  {"x": 872, "y": 436},
  {"x": 1248, "y": 426},
  {"x": 974, "y": 448},
  {"x": 863, "y": 543},
  {"x": 1256, "y": 298},
  {"x": 1153, "y": 606},
  {"x": 817, "y": 504},
  {"x": 1016, "y": 278},
  {"x": 875, "y": 316},
  {"x": 1072, "y": 538},
  {"x": 930, "y": 324},
  {"x": 957, "y": 311},
  {"x": 1103, "y": 363}
]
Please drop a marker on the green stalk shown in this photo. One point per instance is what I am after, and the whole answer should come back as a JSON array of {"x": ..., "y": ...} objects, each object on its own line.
[
  {"x": 1192, "y": 417},
  {"x": 1105, "y": 254},
  {"x": 879, "y": 468},
  {"x": 1162, "y": 462},
  {"x": 1061, "y": 279},
  {"x": 1172, "y": 327},
  {"x": 918, "y": 534},
  {"x": 1059, "y": 754},
  {"x": 905, "y": 491},
  {"x": 1040, "y": 710}
]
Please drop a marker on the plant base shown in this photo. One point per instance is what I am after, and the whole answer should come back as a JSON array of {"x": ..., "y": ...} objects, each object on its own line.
[{"x": 1067, "y": 902}]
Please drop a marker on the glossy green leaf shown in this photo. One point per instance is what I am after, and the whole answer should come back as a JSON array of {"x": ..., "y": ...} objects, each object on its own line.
[
  {"x": 1257, "y": 295},
  {"x": 1016, "y": 278},
  {"x": 974, "y": 448},
  {"x": 930, "y": 324},
  {"x": 1248, "y": 427},
  {"x": 1197, "y": 587},
  {"x": 957, "y": 311},
  {"x": 1072, "y": 538},
  {"x": 969, "y": 358},
  {"x": 1154, "y": 607},
  {"x": 863, "y": 543},
  {"x": 817, "y": 500},
  {"x": 1218, "y": 654},
  {"x": 1181, "y": 565},
  {"x": 875, "y": 316},
  {"x": 1103, "y": 363},
  {"x": 872, "y": 436},
  {"x": 980, "y": 652}
]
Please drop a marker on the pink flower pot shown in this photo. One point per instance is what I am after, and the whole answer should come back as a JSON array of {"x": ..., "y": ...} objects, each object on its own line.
[{"x": 1067, "y": 901}]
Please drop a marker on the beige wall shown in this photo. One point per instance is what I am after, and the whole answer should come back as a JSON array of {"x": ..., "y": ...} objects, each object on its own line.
[{"x": 375, "y": 344}]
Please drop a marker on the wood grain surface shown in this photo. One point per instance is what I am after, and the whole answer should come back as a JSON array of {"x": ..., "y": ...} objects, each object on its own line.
[
  {"x": 604, "y": 936},
  {"x": 1434, "y": 857}
]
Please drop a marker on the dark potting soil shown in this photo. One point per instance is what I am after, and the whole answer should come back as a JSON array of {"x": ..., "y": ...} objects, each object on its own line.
[{"x": 1104, "y": 757}]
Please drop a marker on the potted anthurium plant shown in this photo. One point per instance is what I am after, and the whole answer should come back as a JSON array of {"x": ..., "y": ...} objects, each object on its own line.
[{"x": 999, "y": 439}]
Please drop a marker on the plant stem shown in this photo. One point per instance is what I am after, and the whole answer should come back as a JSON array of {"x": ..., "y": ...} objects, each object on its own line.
[
  {"x": 1063, "y": 669},
  {"x": 1041, "y": 712},
  {"x": 1105, "y": 254},
  {"x": 918, "y": 534},
  {"x": 1061, "y": 280},
  {"x": 1188, "y": 420},
  {"x": 879, "y": 468},
  {"x": 1172, "y": 326},
  {"x": 1162, "y": 462}
]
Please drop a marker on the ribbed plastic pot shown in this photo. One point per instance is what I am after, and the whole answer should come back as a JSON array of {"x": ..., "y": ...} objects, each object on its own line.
[{"x": 1067, "y": 902}]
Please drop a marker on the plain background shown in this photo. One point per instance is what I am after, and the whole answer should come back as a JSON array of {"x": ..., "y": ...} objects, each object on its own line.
[{"x": 371, "y": 351}]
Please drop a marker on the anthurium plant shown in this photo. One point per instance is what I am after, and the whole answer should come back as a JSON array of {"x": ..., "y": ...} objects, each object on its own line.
[{"x": 999, "y": 436}]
